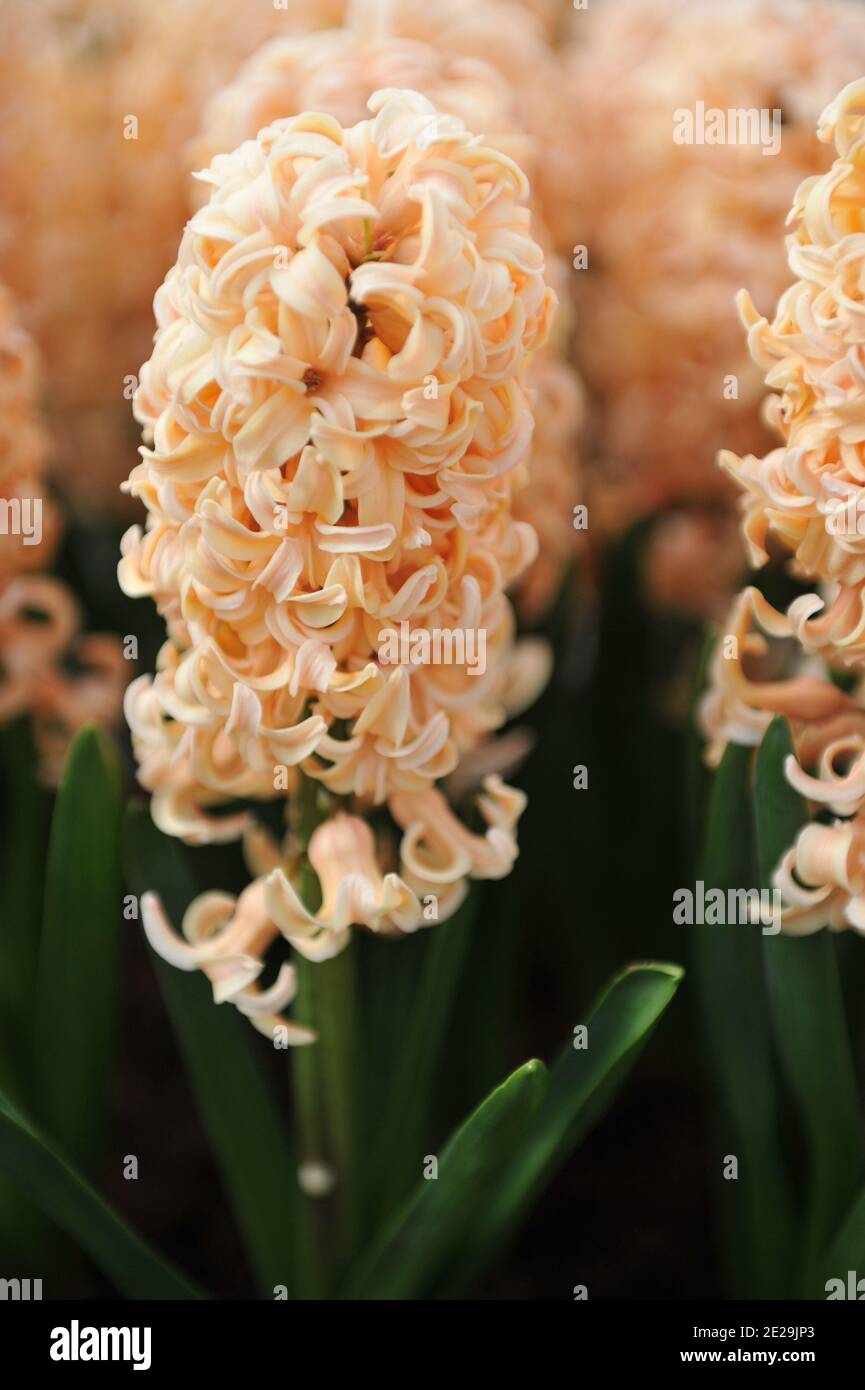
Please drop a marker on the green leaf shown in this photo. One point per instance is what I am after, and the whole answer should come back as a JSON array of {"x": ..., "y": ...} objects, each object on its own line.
[
  {"x": 406, "y": 1261},
  {"x": 756, "y": 1211},
  {"x": 243, "y": 1125},
  {"x": 583, "y": 1084},
  {"x": 36, "y": 1167},
  {"x": 808, "y": 1016},
  {"x": 77, "y": 987}
]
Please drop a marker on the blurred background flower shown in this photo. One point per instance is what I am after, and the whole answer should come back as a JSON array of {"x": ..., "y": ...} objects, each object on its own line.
[
  {"x": 97, "y": 98},
  {"x": 51, "y": 673},
  {"x": 676, "y": 229}
]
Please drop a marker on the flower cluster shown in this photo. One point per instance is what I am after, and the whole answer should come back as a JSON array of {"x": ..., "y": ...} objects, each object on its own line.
[
  {"x": 490, "y": 67},
  {"x": 676, "y": 225},
  {"x": 337, "y": 416},
  {"x": 808, "y": 495},
  {"x": 39, "y": 619},
  {"x": 805, "y": 499}
]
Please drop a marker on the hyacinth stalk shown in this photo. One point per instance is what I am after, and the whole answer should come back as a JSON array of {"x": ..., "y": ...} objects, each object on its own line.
[{"x": 336, "y": 423}]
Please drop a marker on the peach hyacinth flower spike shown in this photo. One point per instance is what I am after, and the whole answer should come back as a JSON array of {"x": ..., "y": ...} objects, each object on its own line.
[{"x": 337, "y": 416}]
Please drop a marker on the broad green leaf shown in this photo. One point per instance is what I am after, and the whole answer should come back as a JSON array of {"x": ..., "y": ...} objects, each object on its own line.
[
  {"x": 756, "y": 1211},
  {"x": 808, "y": 1016},
  {"x": 583, "y": 1084},
  {"x": 408, "y": 1258},
  {"x": 77, "y": 987},
  {"x": 36, "y": 1167},
  {"x": 246, "y": 1133}
]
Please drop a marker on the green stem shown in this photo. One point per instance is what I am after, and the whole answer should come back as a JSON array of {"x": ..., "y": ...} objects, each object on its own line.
[
  {"x": 325, "y": 1090},
  {"x": 310, "y": 1272}
]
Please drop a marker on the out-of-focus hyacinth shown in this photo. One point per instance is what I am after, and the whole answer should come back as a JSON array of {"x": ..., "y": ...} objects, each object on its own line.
[
  {"x": 93, "y": 205},
  {"x": 552, "y": 15},
  {"x": 39, "y": 619},
  {"x": 337, "y": 70},
  {"x": 488, "y": 65},
  {"x": 673, "y": 230},
  {"x": 338, "y": 417},
  {"x": 22, "y": 447},
  {"x": 550, "y": 502},
  {"x": 692, "y": 562},
  {"x": 808, "y": 496}
]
